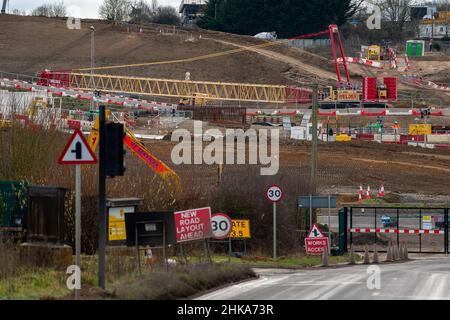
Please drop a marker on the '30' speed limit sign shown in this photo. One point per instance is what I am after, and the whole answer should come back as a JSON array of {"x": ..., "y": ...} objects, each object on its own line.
[
  {"x": 221, "y": 226},
  {"x": 274, "y": 193}
]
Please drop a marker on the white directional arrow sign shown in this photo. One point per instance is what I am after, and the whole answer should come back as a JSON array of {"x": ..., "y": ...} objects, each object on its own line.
[
  {"x": 77, "y": 151},
  {"x": 315, "y": 232}
]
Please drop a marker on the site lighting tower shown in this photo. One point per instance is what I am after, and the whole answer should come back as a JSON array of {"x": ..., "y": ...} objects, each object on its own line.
[
  {"x": 4, "y": 6},
  {"x": 92, "y": 29}
]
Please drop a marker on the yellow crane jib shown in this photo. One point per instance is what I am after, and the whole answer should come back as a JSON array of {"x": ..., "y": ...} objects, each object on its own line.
[{"x": 186, "y": 89}]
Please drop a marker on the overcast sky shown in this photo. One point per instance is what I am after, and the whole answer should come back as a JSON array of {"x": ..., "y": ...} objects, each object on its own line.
[{"x": 87, "y": 8}]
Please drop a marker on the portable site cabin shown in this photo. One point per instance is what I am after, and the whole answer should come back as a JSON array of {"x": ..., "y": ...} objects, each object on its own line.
[{"x": 415, "y": 48}]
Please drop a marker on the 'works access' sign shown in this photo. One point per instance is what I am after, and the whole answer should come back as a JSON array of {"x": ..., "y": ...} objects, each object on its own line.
[
  {"x": 315, "y": 242},
  {"x": 193, "y": 224}
]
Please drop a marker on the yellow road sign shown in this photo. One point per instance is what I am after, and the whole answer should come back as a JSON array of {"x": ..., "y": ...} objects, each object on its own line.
[
  {"x": 95, "y": 133},
  {"x": 116, "y": 224},
  {"x": 240, "y": 229}
]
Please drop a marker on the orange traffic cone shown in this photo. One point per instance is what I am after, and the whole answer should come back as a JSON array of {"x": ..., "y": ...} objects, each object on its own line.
[
  {"x": 360, "y": 200},
  {"x": 381, "y": 193},
  {"x": 368, "y": 193}
]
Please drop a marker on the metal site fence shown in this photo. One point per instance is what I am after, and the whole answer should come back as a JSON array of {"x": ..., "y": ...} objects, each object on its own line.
[{"x": 424, "y": 230}]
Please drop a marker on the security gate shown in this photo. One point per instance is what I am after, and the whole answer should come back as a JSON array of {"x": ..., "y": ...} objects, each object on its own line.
[{"x": 423, "y": 229}]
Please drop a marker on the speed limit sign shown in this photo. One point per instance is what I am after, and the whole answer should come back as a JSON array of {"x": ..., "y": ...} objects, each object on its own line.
[
  {"x": 221, "y": 226},
  {"x": 274, "y": 193}
]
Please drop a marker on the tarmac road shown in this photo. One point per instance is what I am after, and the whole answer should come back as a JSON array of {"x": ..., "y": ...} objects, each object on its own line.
[{"x": 418, "y": 279}]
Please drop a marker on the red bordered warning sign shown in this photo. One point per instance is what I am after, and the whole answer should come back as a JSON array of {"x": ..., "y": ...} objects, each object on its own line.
[
  {"x": 77, "y": 151},
  {"x": 315, "y": 242}
]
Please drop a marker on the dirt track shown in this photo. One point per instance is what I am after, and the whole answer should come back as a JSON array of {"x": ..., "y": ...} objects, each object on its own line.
[{"x": 308, "y": 68}]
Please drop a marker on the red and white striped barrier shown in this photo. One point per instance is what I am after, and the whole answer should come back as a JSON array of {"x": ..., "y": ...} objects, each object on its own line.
[
  {"x": 334, "y": 113},
  {"x": 369, "y": 63},
  {"x": 407, "y": 65},
  {"x": 435, "y": 86},
  {"x": 67, "y": 92},
  {"x": 424, "y": 83},
  {"x": 400, "y": 231},
  {"x": 393, "y": 63}
]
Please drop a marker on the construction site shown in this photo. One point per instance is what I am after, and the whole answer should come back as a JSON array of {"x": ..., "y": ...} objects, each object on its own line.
[{"x": 369, "y": 126}]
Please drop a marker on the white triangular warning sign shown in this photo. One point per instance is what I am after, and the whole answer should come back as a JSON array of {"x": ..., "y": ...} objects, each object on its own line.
[
  {"x": 77, "y": 151},
  {"x": 315, "y": 232}
]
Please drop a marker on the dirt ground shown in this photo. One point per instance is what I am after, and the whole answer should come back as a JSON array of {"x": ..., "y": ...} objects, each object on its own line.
[
  {"x": 35, "y": 43},
  {"x": 342, "y": 168}
]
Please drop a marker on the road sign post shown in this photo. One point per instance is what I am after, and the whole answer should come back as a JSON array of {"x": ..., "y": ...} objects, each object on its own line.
[
  {"x": 77, "y": 152},
  {"x": 274, "y": 194},
  {"x": 274, "y": 231},
  {"x": 77, "y": 218}
]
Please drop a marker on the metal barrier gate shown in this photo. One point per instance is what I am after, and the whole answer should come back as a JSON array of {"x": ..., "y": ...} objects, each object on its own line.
[{"x": 423, "y": 229}]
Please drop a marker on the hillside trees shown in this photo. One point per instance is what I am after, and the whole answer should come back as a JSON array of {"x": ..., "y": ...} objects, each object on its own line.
[
  {"x": 287, "y": 17},
  {"x": 143, "y": 11},
  {"x": 51, "y": 10},
  {"x": 166, "y": 15},
  {"x": 115, "y": 10},
  {"x": 138, "y": 11}
]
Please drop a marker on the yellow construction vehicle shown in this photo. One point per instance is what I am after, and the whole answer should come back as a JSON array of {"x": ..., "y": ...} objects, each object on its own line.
[
  {"x": 382, "y": 92},
  {"x": 198, "y": 100},
  {"x": 343, "y": 138},
  {"x": 35, "y": 105},
  {"x": 374, "y": 53},
  {"x": 5, "y": 124},
  {"x": 345, "y": 95}
]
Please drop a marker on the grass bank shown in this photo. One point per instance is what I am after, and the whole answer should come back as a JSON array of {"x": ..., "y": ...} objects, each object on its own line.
[
  {"x": 181, "y": 282},
  {"x": 157, "y": 284},
  {"x": 292, "y": 262}
]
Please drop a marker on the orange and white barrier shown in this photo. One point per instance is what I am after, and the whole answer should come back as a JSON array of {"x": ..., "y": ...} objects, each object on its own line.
[{"x": 369, "y": 63}]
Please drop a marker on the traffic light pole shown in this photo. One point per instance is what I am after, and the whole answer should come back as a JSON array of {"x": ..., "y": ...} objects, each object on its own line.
[{"x": 102, "y": 200}]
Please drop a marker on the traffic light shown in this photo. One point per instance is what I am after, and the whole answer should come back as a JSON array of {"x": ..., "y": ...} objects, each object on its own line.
[
  {"x": 115, "y": 151},
  {"x": 425, "y": 113}
]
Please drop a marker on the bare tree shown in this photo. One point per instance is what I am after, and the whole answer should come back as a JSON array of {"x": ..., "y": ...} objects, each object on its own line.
[
  {"x": 154, "y": 6},
  {"x": 59, "y": 9},
  {"x": 396, "y": 12},
  {"x": 167, "y": 15},
  {"x": 19, "y": 12},
  {"x": 51, "y": 10},
  {"x": 44, "y": 10},
  {"x": 115, "y": 10},
  {"x": 141, "y": 11}
]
